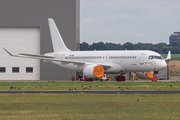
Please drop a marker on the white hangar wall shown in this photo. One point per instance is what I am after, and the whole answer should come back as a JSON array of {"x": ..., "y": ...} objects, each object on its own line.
[{"x": 18, "y": 40}]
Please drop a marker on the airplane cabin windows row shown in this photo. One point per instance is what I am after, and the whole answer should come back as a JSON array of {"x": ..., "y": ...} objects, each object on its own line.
[
  {"x": 84, "y": 57},
  {"x": 122, "y": 57},
  {"x": 100, "y": 57},
  {"x": 16, "y": 70}
]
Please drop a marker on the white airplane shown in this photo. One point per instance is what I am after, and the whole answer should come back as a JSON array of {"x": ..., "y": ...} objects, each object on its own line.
[{"x": 94, "y": 64}]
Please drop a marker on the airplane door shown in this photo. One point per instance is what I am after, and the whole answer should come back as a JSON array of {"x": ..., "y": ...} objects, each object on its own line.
[{"x": 141, "y": 59}]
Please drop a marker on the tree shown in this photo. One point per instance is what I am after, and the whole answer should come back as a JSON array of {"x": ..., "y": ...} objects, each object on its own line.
[
  {"x": 98, "y": 46},
  {"x": 128, "y": 46},
  {"x": 135, "y": 47},
  {"x": 175, "y": 50},
  {"x": 161, "y": 48},
  {"x": 84, "y": 46},
  {"x": 113, "y": 46},
  {"x": 165, "y": 50}
]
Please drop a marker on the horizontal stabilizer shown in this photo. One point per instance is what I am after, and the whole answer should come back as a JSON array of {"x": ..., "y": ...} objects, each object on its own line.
[{"x": 8, "y": 52}]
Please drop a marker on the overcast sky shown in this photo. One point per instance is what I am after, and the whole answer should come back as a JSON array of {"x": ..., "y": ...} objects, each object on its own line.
[{"x": 121, "y": 21}]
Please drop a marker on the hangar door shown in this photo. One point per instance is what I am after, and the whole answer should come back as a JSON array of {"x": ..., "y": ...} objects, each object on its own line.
[{"x": 19, "y": 40}]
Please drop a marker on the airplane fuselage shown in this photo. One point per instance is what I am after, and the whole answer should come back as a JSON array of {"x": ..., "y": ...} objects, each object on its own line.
[{"x": 121, "y": 61}]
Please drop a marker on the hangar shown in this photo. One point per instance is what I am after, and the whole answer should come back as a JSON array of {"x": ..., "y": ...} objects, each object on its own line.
[{"x": 24, "y": 28}]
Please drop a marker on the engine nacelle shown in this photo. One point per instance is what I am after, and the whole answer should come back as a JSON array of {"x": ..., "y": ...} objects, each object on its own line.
[
  {"x": 144, "y": 75},
  {"x": 93, "y": 71}
]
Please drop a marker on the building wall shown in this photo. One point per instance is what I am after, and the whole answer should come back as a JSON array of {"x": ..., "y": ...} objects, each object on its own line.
[
  {"x": 17, "y": 40},
  {"x": 34, "y": 13},
  {"x": 174, "y": 38}
]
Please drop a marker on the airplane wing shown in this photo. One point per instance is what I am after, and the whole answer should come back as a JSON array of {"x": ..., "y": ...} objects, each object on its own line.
[
  {"x": 41, "y": 57},
  {"x": 52, "y": 58}
]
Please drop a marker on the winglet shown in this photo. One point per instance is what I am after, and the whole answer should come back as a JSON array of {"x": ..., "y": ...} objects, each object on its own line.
[
  {"x": 8, "y": 52},
  {"x": 168, "y": 56}
]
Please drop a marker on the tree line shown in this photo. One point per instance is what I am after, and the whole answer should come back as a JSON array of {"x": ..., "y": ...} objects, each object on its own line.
[{"x": 161, "y": 48}]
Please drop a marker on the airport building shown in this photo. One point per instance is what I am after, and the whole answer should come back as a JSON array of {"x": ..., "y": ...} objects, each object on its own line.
[
  {"x": 174, "y": 38},
  {"x": 24, "y": 29}
]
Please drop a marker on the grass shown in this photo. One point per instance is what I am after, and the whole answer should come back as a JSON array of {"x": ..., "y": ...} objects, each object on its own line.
[
  {"x": 173, "y": 57},
  {"x": 89, "y": 106},
  {"x": 83, "y": 106},
  {"x": 89, "y": 85}
]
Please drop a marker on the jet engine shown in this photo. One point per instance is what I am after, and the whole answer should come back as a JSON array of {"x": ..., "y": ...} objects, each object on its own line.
[
  {"x": 93, "y": 71},
  {"x": 145, "y": 75}
]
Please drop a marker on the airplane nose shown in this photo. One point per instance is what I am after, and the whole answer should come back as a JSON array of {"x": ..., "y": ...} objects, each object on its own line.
[{"x": 161, "y": 65}]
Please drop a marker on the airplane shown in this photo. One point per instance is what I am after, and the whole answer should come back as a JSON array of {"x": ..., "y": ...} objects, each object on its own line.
[{"x": 94, "y": 64}]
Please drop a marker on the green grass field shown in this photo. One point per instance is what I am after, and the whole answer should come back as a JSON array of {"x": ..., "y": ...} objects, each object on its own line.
[
  {"x": 83, "y": 106},
  {"x": 173, "y": 57},
  {"x": 89, "y": 107},
  {"x": 89, "y": 85}
]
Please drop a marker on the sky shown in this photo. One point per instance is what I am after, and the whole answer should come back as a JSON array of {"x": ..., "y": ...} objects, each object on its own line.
[{"x": 121, "y": 21}]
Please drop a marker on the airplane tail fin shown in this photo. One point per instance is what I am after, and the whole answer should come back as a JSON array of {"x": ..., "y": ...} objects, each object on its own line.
[{"x": 57, "y": 41}]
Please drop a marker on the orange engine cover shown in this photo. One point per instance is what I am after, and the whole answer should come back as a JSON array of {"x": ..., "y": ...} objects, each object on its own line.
[
  {"x": 149, "y": 75},
  {"x": 98, "y": 71},
  {"x": 93, "y": 71}
]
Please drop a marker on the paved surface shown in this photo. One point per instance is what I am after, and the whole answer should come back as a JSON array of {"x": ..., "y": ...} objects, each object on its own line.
[{"x": 100, "y": 92}]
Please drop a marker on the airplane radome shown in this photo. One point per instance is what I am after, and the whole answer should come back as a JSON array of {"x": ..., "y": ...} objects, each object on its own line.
[{"x": 96, "y": 63}]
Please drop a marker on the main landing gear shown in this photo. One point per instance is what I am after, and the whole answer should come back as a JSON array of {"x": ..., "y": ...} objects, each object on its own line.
[{"x": 120, "y": 78}]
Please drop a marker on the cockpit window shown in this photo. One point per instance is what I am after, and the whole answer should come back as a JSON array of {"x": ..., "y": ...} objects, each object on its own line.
[
  {"x": 151, "y": 57},
  {"x": 155, "y": 57}
]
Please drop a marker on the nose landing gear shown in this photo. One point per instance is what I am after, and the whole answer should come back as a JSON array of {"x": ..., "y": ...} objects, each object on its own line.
[{"x": 154, "y": 79}]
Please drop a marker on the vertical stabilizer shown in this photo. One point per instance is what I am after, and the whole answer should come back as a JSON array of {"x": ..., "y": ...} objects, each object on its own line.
[{"x": 57, "y": 41}]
